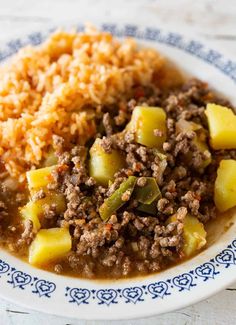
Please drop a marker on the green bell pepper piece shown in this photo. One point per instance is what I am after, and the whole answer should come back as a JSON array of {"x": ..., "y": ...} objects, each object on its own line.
[
  {"x": 114, "y": 202},
  {"x": 148, "y": 193},
  {"x": 148, "y": 208}
]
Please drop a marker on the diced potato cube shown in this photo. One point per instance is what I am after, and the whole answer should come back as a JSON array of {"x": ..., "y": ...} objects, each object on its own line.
[
  {"x": 31, "y": 212},
  {"x": 144, "y": 121},
  {"x": 222, "y": 126},
  {"x": 200, "y": 140},
  {"x": 56, "y": 199},
  {"x": 203, "y": 148},
  {"x": 225, "y": 185},
  {"x": 39, "y": 177},
  {"x": 34, "y": 211},
  {"x": 102, "y": 165},
  {"x": 49, "y": 245},
  {"x": 194, "y": 234}
]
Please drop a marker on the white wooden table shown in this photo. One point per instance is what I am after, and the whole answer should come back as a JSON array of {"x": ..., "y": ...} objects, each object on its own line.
[{"x": 212, "y": 19}]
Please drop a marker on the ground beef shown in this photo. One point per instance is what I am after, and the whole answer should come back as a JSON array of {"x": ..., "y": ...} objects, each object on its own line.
[
  {"x": 142, "y": 181},
  {"x": 3, "y": 215},
  {"x": 133, "y": 242},
  {"x": 39, "y": 195},
  {"x": 106, "y": 143},
  {"x": 27, "y": 236},
  {"x": 58, "y": 268},
  {"x": 107, "y": 124}
]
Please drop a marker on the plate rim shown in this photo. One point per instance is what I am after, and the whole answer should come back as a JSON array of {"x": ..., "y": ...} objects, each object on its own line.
[{"x": 194, "y": 46}]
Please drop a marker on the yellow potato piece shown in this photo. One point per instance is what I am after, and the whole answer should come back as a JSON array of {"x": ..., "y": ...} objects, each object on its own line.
[
  {"x": 49, "y": 245},
  {"x": 200, "y": 140},
  {"x": 56, "y": 199},
  {"x": 194, "y": 234},
  {"x": 144, "y": 121},
  {"x": 102, "y": 165},
  {"x": 203, "y": 147},
  {"x": 225, "y": 185},
  {"x": 35, "y": 210},
  {"x": 222, "y": 126},
  {"x": 31, "y": 212},
  {"x": 39, "y": 177}
]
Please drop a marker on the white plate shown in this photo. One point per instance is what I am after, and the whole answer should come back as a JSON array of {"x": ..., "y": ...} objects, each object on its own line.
[{"x": 182, "y": 285}]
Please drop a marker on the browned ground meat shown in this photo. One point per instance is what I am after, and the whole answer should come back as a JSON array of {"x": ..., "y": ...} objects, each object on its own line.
[{"x": 133, "y": 242}]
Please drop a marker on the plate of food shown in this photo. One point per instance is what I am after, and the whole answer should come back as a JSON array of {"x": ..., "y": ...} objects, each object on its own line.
[{"x": 118, "y": 171}]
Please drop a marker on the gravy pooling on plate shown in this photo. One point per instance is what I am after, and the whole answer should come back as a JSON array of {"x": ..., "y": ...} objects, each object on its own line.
[{"x": 111, "y": 164}]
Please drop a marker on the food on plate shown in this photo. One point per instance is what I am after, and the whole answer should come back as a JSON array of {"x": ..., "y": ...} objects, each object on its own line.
[
  {"x": 34, "y": 210},
  {"x": 39, "y": 178},
  {"x": 117, "y": 199},
  {"x": 149, "y": 126},
  {"x": 194, "y": 234},
  {"x": 225, "y": 185},
  {"x": 222, "y": 126},
  {"x": 49, "y": 245},
  {"x": 111, "y": 163},
  {"x": 103, "y": 165}
]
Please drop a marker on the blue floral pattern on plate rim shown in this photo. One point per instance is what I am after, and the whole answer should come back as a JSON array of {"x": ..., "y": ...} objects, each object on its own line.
[
  {"x": 160, "y": 289},
  {"x": 156, "y": 290}
]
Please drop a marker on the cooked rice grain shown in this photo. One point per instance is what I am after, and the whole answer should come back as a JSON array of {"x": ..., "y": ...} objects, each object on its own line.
[{"x": 45, "y": 90}]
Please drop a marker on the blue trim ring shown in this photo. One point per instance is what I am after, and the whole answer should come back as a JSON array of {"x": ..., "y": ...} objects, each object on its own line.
[
  {"x": 208, "y": 271},
  {"x": 161, "y": 289},
  {"x": 228, "y": 67}
]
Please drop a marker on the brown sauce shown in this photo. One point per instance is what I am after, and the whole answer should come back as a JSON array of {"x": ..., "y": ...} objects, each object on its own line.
[{"x": 131, "y": 242}]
